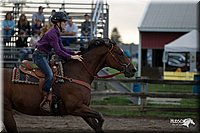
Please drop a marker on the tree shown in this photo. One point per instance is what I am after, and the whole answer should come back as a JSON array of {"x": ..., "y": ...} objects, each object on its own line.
[{"x": 115, "y": 36}]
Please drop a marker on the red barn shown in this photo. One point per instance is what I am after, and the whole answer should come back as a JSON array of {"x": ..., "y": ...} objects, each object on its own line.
[{"x": 163, "y": 23}]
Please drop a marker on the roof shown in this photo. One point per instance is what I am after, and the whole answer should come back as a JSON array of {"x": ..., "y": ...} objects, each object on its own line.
[
  {"x": 170, "y": 17},
  {"x": 185, "y": 43}
]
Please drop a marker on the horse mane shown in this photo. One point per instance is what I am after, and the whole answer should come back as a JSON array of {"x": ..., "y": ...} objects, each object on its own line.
[{"x": 97, "y": 43}]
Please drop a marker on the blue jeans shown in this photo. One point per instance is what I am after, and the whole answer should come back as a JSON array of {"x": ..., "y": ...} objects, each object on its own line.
[
  {"x": 7, "y": 35},
  {"x": 41, "y": 60},
  {"x": 23, "y": 53},
  {"x": 83, "y": 38}
]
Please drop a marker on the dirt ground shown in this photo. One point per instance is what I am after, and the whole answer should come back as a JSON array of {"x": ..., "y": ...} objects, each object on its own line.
[{"x": 71, "y": 124}]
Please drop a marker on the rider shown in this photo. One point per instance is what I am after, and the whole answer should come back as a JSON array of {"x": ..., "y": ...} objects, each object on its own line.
[{"x": 51, "y": 40}]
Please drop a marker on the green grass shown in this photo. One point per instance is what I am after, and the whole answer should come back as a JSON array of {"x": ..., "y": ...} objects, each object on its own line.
[
  {"x": 158, "y": 87},
  {"x": 122, "y": 100},
  {"x": 127, "y": 112},
  {"x": 170, "y": 88},
  {"x": 112, "y": 101},
  {"x": 190, "y": 103},
  {"x": 153, "y": 114},
  {"x": 111, "y": 70},
  {"x": 184, "y": 103}
]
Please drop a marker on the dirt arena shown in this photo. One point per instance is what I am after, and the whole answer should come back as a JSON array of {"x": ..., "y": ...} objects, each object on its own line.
[{"x": 71, "y": 124}]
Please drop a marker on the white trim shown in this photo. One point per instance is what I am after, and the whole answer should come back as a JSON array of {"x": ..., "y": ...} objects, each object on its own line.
[
  {"x": 166, "y": 30},
  {"x": 139, "y": 56}
]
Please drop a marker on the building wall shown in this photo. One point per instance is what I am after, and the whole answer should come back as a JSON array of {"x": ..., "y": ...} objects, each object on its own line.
[{"x": 157, "y": 40}]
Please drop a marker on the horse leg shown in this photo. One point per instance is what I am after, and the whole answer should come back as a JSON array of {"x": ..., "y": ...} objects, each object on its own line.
[
  {"x": 8, "y": 118},
  {"x": 9, "y": 122},
  {"x": 93, "y": 118},
  {"x": 92, "y": 122}
]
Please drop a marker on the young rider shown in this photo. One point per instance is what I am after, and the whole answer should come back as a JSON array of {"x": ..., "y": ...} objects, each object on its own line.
[{"x": 51, "y": 40}]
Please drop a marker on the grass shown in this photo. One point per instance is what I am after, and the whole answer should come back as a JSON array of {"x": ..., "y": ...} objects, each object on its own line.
[
  {"x": 127, "y": 112},
  {"x": 130, "y": 112},
  {"x": 170, "y": 88},
  {"x": 158, "y": 87},
  {"x": 111, "y": 70},
  {"x": 154, "y": 114},
  {"x": 112, "y": 101}
]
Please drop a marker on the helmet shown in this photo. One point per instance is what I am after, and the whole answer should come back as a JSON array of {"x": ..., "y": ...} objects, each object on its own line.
[{"x": 59, "y": 17}]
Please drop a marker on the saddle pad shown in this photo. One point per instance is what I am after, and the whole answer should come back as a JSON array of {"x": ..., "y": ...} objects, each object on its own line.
[{"x": 20, "y": 77}]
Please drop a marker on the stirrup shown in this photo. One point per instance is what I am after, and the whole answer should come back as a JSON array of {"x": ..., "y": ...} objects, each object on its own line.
[{"x": 45, "y": 105}]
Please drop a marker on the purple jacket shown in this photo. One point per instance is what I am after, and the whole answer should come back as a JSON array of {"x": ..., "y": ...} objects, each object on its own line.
[{"x": 52, "y": 39}]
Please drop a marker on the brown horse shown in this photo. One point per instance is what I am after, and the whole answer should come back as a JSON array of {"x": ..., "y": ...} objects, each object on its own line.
[{"x": 26, "y": 98}]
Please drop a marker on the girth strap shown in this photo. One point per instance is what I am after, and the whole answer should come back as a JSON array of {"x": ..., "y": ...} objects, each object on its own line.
[{"x": 87, "y": 85}]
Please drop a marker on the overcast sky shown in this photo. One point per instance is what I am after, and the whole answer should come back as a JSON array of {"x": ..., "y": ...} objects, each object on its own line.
[{"x": 126, "y": 16}]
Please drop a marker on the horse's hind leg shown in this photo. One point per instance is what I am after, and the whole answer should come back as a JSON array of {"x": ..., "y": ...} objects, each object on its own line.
[
  {"x": 8, "y": 120},
  {"x": 93, "y": 118}
]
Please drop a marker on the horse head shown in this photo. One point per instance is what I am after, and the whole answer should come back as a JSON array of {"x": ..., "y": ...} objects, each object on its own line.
[
  {"x": 113, "y": 56},
  {"x": 187, "y": 122}
]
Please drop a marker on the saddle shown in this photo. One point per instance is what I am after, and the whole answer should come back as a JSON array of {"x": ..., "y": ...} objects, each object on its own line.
[{"x": 32, "y": 69}]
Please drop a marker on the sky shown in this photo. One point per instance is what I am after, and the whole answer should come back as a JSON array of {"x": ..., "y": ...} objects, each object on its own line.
[{"x": 126, "y": 15}]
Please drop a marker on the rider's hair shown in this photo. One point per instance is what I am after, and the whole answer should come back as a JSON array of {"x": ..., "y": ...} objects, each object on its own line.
[{"x": 45, "y": 29}]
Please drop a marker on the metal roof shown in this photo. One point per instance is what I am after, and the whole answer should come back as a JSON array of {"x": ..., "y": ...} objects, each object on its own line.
[{"x": 170, "y": 17}]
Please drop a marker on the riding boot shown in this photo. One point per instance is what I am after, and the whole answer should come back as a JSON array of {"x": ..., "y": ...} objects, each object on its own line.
[{"x": 46, "y": 102}]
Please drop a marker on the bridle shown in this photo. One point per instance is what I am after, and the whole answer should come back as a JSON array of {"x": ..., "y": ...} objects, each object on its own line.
[
  {"x": 124, "y": 66},
  {"x": 87, "y": 85}
]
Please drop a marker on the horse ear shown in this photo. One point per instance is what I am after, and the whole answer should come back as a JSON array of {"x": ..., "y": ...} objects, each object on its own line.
[
  {"x": 113, "y": 42},
  {"x": 107, "y": 42},
  {"x": 99, "y": 42}
]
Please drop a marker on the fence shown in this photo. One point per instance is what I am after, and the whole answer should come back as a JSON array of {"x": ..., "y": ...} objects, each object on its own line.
[{"x": 143, "y": 94}]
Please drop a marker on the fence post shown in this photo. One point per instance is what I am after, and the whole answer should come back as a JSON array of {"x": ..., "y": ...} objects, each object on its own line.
[
  {"x": 144, "y": 87},
  {"x": 143, "y": 97},
  {"x": 136, "y": 88}
]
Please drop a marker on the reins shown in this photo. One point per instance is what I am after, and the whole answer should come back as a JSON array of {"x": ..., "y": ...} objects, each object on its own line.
[
  {"x": 110, "y": 75},
  {"x": 87, "y": 85},
  {"x": 97, "y": 76}
]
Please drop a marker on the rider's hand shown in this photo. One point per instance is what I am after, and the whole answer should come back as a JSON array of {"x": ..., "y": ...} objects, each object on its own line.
[{"x": 77, "y": 57}]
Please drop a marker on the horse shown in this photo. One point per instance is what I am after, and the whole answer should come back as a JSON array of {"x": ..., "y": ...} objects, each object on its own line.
[
  {"x": 187, "y": 122},
  {"x": 75, "y": 97}
]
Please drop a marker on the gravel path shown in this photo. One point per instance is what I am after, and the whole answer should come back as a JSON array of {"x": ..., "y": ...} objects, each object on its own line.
[{"x": 71, "y": 124}]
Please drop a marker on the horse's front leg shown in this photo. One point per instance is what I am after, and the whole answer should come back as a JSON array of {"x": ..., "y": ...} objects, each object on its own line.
[
  {"x": 92, "y": 122},
  {"x": 93, "y": 118}
]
